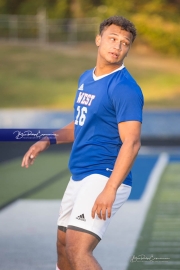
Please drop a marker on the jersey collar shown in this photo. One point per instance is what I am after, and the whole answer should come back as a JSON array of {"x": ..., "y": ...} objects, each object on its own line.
[{"x": 96, "y": 78}]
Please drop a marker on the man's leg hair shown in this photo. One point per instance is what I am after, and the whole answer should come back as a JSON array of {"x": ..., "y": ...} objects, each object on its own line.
[{"x": 79, "y": 248}]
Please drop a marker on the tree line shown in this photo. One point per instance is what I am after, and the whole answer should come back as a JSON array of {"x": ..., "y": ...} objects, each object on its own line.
[{"x": 157, "y": 21}]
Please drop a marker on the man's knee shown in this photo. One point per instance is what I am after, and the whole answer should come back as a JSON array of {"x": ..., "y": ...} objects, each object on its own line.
[{"x": 75, "y": 254}]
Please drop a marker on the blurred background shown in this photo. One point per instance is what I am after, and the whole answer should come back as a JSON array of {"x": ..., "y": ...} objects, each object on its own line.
[{"x": 44, "y": 47}]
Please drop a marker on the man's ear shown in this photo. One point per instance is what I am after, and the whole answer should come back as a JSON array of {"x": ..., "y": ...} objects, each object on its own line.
[{"x": 98, "y": 40}]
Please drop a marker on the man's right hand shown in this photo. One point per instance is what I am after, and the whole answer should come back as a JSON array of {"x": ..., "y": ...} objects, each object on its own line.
[
  {"x": 33, "y": 152},
  {"x": 64, "y": 135}
]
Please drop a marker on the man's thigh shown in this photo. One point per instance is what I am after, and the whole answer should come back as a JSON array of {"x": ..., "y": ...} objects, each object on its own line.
[
  {"x": 81, "y": 219},
  {"x": 80, "y": 241}
]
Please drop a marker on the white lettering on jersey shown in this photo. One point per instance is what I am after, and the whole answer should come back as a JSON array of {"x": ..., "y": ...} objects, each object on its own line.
[
  {"x": 84, "y": 98},
  {"x": 92, "y": 97},
  {"x": 81, "y": 94}
]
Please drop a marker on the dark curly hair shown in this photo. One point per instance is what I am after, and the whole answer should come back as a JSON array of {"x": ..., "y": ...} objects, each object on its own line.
[{"x": 119, "y": 21}]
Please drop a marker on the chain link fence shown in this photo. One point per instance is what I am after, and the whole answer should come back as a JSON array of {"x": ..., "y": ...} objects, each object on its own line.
[{"x": 41, "y": 29}]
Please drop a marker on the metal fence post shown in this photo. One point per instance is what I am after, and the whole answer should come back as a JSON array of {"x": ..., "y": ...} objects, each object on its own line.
[
  {"x": 13, "y": 27},
  {"x": 72, "y": 32},
  {"x": 42, "y": 26}
]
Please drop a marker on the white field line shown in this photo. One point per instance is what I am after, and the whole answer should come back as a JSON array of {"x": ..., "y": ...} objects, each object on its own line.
[
  {"x": 154, "y": 179},
  {"x": 145, "y": 202},
  {"x": 164, "y": 244},
  {"x": 164, "y": 249},
  {"x": 162, "y": 263}
]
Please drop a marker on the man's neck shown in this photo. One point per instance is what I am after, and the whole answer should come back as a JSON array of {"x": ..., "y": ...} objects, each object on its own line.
[{"x": 103, "y": 70}]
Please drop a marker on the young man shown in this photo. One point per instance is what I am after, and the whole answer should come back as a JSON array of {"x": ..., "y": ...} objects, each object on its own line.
[{"x": 106, "y": 134}]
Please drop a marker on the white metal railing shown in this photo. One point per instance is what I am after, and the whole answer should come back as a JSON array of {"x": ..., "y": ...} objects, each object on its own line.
[{"x": 40, "y": 28}]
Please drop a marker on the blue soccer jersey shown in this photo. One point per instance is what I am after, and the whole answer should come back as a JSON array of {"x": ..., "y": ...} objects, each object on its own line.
[{"x": 98, "y": 108}]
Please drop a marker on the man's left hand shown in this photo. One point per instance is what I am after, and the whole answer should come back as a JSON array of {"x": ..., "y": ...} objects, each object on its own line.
[{"x": 103, "y": 204}]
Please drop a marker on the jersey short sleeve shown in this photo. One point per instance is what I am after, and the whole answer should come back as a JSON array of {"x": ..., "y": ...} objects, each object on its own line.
[{"x": 127, "y": 99}]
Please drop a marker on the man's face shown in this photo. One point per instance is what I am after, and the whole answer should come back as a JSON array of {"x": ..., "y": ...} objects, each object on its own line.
[{"x": 114, "y": 44}]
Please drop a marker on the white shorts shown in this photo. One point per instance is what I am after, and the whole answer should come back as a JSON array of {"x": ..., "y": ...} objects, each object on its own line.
[{"x": 78, "y": 201}]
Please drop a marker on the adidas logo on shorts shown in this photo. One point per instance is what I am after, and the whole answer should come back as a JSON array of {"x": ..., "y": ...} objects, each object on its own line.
[{"x": 81, "y": 217}]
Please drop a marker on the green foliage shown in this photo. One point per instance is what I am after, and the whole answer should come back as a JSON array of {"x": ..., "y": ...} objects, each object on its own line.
[
  {"x": 158, "y": 33},
  {"x": 60, "y": 9},
  {"x": 2, "y": 6},
  {"x": 118, "y": 7},
  {"x": 31, "y": 7}
]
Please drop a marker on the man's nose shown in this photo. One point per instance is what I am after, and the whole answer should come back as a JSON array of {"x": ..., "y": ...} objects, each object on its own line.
[{"x": 118, "y": 46}]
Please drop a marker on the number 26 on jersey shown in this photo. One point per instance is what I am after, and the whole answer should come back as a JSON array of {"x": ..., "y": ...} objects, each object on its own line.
[{"x": 81, "y": 115}]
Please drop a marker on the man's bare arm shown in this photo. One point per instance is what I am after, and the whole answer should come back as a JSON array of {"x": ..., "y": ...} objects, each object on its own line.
[
  {"x": 130, "y": 135},
  {"x": 64, "y": 135}
]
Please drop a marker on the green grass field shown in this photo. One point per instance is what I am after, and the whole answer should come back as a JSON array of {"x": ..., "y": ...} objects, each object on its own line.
[
  {"x": 36, "y": 77},
  {"x": 46, "y": 179},
  {"x": 159, "y": 242}
]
